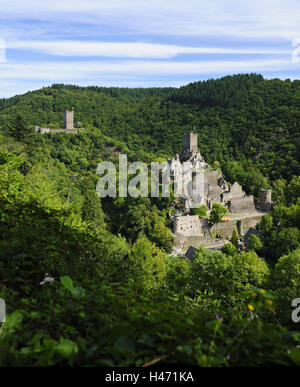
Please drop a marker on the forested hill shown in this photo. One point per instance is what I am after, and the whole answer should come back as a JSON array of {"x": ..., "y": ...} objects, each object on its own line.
[
  {"x": 243, "y": 119},
  {"x": 94, "y": 282}
]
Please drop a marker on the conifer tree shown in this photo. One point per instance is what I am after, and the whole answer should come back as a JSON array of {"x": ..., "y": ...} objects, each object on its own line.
[
  {"x": 234, "y": 239},
  {"x": 20, "y": 131}
]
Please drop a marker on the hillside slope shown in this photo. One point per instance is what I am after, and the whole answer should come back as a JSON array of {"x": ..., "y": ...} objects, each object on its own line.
[{"x": 238, "y": 118}]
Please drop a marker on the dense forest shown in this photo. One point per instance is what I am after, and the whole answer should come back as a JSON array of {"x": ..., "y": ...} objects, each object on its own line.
[{"x": 93, "y": 282}]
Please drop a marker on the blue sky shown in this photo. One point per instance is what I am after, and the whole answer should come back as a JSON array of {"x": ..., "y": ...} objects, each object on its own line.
[{"x": 138, "y": 43}]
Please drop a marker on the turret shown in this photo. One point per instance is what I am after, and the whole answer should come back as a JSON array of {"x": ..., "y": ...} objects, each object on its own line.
[
  {"x": 189, "y": 146},
  {"x": 265, "y": 200},
  {"x": 190, "y": 142},
  {"x": 69, "y": 119}
]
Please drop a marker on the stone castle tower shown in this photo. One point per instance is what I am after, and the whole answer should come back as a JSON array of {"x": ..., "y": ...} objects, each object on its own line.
[
  {"x": 68, "y": 126},
  {"x": 190, "y": 142},
  {"x": 69, "y": 119},
  {"x": 189, "y": 146},
  {"x": 265, "y": 200}
]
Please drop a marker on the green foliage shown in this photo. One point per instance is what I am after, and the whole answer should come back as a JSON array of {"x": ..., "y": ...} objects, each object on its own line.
[
  {"x": 235, "y": 239},
  {"x": 293, "y": 190},
  {"x": 229, "y": 249},
  {"x": 285, "y": 240},
  {"x": 134, "y": 216},
  {"x": 254, "y": 243},
  {"x": 242, "y": 119},
  {"x": 280, "y": 231},
  {"x": 225, "y": 276},
  {"x": 161, "y": 235},
  {"x": 286, "y": 283},
  {"x": 200, "y": 211},
  {"x": 178, "y": 272},
  {"x": 20, "y": 131},
  {"x": 91, "y": 209},
  {"x": 95, "y": 286},
  {"x": 278, "y": 191},
  {"x": 217, "y": 213},
  {"x": 147, "y": 264},
  {"x": 11, "y": 179}
]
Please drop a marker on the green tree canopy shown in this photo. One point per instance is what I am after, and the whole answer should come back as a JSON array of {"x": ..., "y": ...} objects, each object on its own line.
[{"x": 217, "y": 213}]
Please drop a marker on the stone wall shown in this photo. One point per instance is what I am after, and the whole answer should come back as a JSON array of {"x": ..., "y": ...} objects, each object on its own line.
[
  {"x": 225, "y": 229},
  {"x": 212, "y": 190},
  {"x": 69, "y": 131},
  {"x": 243, "y": 204},
  {"x": 236, "y": 191},
  {"x": 205, "y": 236},
  {"x": 187, "y": 225},
  {"x": 195, "y": 241}
]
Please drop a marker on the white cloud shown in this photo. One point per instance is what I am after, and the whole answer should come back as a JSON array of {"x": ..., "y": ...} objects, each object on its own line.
[
  {"x": 16, "y": 78},
  {"x": 128, "y": 50},
  {"x": 257, "y": 19},
  {"x": 76, "y": 71},
  {"x": 58, "y": 28}
]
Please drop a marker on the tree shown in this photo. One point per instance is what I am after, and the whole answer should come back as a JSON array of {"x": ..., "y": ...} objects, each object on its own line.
[
  {"x": 286, "y": 283},
  {"x": 162, "y": 236},
  {"x": 254, "y": 243},
  {"x": 11, "y": 180},
  {"x": 225, "y": 274},
  {"x": 20, "y": 131},
  {"x": 217, "y": 213},
  {"x": 285, "y": 241},
  {"x": 229, "y": 249},
  {"x": 147, "y": 264},
  {"x": 200, "y": 211},
  {"x": 278, "y": 191},
  {"x": 266, "y": 226},
  {"x": 293, "y": 190},
  {"x": 178, "y": 274},
  {"x": 92, "y": 209},
  {"x": 235, "y": 239}
]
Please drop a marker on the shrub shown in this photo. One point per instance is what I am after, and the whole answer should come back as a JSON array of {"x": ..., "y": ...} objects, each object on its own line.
[
  {"x": 177, "y": 274},
  {"x": 254, "y": 243},
  {"x": 226, "y": 276},
  {"x": 286, "y": 283},
  {"x": 147, "y": 264},
  {"x": 200, "y": 211}
]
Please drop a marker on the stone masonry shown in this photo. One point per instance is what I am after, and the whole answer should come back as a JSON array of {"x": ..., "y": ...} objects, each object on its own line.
[
  {"x": 215, "y": 190},
  {"x": 69, "y": 119},
  {"x": 68, "y": 126}
]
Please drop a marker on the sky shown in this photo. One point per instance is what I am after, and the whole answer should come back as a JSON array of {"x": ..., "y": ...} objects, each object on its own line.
[{"x": 138, "y": 43}]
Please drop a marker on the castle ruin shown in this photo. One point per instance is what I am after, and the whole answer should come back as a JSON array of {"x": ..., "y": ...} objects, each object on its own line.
[
  {"x": 266, "y": 200},
  {"x": 242, "y": 213},
  {"x": 68, "y": 126},
  {"x": 69, "y": 119}
]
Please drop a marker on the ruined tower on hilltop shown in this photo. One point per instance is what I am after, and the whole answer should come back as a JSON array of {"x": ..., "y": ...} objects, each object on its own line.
[
  {"x": 190, "y": 146},
  {"x": 68, "y": 125},
  {"x": 190, "y": 141},
  {"x": 69, "y": 119}
]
